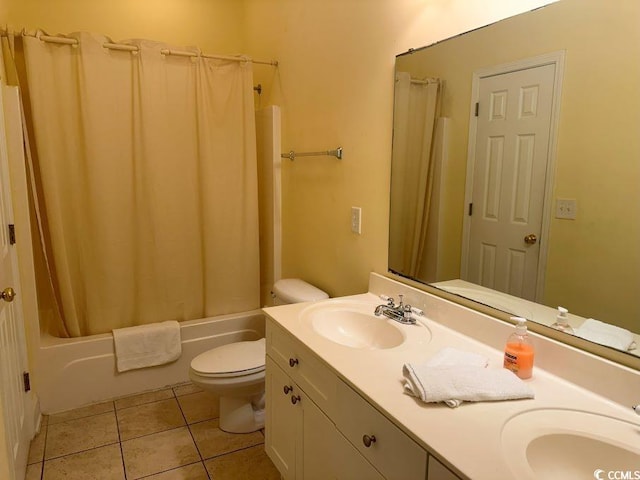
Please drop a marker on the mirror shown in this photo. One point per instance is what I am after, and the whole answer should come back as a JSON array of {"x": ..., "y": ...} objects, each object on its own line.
[{"x": 573, "y": 65}]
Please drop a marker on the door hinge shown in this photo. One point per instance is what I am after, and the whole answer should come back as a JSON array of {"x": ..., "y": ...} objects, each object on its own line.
[
  {"x": 470, "y": 209},
  {"x": 12, "y": 234},
  {"x": 477, "y": 108},
  {"x": 27, "y": 381}
]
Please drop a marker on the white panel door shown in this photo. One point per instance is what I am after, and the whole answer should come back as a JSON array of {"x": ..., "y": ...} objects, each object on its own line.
[
  {"x": 511, "y": 156},
  {"x": 12, "y": 340}
]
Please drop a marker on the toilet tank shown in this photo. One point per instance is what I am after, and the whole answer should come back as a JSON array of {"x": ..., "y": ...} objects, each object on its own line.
[{"x": 294, "y": 290}]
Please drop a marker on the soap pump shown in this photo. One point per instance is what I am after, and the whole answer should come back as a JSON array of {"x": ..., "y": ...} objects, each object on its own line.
[
  {"x": 562, "y": 321},
  {"x": 518, "y": 354}
]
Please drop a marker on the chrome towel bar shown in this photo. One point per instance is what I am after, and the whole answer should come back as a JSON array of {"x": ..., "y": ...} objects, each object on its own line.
[{"x": 331, "y": 153}]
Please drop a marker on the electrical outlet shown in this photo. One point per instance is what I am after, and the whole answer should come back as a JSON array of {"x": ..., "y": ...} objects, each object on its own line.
[
  {"x": 566, "y": 208},
  {"x": 356, "y": 220}
]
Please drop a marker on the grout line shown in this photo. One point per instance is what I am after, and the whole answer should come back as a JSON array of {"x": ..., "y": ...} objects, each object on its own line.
[
  {"x": 124, "y": 465},
  {"x": 80, "y": 451}
]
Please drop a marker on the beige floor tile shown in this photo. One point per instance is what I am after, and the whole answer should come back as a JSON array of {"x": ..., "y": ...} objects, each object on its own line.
[
  {"x": 212, "y": 441},
  {"x": 159, "y": 452},
  {"x": 104, "y": 463},
  {"x": 44, "y": 421},
  {"x": 34, "y": 472},
  {"x": 82, "y": 412},
  {"x": 82, "y": 434},
  {"x": 149, "y": 418},
  {"x": 36, "y": 448},
  {"x": 186, "y": 389},
  {"x": 248, "y": 464},
  {"x": 141, "y": 399},
  {"x": 200, "y": 406},
  {"x": 195, "y": 471}
]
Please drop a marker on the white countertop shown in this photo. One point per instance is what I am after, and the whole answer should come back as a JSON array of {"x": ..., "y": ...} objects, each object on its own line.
[{"x": 467, "y": 438}]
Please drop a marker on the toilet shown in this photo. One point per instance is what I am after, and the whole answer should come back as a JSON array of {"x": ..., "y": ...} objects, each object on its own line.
[{"x": 235, "y": 372}]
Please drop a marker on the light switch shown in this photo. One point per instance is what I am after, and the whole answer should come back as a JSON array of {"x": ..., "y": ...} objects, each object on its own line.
[
  {"x": 356, "y": 220},
  {"x": 566, "y": 208}
]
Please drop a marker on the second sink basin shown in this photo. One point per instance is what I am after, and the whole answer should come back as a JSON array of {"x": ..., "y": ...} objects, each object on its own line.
[
  {"x": 555, "y": 443},
  {"x": 354, "y": 325}
]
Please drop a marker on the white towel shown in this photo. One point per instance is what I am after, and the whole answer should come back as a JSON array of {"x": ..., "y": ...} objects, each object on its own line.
[
  {"x": 458, "y": 383},
  {"x": 606, "y": 334},
  {"x": 147, "y": 345},
  {"x": 453, "y": 376}
]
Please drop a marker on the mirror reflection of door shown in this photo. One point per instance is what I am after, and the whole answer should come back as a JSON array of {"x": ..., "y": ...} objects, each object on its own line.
[{"x": 511, "y": 155}]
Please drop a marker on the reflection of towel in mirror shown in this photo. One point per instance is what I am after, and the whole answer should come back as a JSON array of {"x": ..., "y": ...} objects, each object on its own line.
[
  {"x": 606, "y": 334},
  {"x": 453, "y": 376}
]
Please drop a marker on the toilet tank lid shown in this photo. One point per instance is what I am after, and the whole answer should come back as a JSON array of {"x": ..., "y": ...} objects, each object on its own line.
[
  {"x": 233, "y": 359},
  {"x": 294, "y": 290}
]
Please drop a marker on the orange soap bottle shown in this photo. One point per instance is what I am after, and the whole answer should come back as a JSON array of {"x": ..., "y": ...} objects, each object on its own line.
[{"x": 518, "y": 354}]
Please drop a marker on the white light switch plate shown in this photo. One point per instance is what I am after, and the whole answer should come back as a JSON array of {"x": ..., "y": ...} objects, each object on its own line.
[
  {"x": 356, "y": 220},
  {"x": 566, "y": 208}
]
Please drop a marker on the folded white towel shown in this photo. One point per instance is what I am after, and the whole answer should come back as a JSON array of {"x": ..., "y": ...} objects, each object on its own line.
[
  {"x": 147, "y": 345},
  {"x": 458, "y": 383},
  {"x": 606, "y": 334}
]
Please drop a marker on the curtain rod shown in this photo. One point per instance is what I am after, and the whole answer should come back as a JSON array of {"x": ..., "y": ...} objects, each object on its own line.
[{"x": 165, "y": 51}]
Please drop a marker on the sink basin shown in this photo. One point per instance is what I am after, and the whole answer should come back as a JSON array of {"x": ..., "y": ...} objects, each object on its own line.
[
  {"x": 555, "y": 443},
  {"x": 354, "y": 325}
]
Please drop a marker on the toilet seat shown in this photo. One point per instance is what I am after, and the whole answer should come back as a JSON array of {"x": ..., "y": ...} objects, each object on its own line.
[{"x": 231, "y": 360}]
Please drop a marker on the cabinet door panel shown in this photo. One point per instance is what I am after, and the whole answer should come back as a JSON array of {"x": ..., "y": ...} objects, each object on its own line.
[
  {"x": 282, "y": 423},
  {"x": 319, "y": 442},
  {"x": 392, "y": 452}
]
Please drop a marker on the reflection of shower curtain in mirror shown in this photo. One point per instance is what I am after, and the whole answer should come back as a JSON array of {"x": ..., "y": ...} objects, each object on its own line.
[
  {"x": 147, "y": 182},
  {"x": 416, "y": 107}
]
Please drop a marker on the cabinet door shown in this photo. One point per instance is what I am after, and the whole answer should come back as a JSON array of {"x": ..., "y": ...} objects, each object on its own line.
[
  {"x": 283, "y": 422},
  {"x": 319, "y": 442}
]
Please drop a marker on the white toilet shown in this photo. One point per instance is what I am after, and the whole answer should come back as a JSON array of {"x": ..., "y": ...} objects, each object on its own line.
[{"x": 235, "y": 372}]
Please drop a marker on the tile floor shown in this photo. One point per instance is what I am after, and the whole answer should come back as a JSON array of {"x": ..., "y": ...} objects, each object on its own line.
[{"x": 169, "y": 434}]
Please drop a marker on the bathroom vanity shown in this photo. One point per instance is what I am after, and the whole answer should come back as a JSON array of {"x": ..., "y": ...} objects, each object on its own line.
[{"x": 336, "y": 407}]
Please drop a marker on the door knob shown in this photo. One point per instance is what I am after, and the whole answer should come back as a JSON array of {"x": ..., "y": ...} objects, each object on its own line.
[
  {"x": 530, "y": 239},
  {"x": 8, "y": 294}
]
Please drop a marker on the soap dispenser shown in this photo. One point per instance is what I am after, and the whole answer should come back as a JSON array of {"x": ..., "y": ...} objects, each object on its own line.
[
  {"x": 562, "y": 321},
  {"x": 518, "y": 354}
]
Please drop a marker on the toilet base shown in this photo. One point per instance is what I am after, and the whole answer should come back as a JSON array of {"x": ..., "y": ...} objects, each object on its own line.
[{"x": 241, "y": 414}]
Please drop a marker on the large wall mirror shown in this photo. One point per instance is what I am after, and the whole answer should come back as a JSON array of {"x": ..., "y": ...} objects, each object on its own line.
[{"x": 515, "y": 176}]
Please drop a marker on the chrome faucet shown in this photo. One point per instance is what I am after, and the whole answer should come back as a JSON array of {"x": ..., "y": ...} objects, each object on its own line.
[{"x": 400, "y": 313}]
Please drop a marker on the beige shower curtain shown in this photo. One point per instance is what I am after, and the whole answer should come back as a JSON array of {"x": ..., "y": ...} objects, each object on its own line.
[
  {"x": 146, "y": 166},
  {"x": 416, "y": 109}
]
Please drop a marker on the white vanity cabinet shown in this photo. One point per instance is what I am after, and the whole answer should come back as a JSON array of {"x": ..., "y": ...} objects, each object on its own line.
[{"x": 318, "y": 427}]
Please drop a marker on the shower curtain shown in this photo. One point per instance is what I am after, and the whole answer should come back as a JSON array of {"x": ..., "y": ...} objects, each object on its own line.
[
  {"x": 145, "y": 166},
  {"x": 416, "y": 109}
]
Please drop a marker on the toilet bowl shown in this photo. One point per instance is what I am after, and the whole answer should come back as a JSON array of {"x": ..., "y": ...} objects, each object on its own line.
[{"x": 235, "y": 372}]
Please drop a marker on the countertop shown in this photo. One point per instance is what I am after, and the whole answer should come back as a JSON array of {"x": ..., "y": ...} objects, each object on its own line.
[{"x": 467, "y": 438}]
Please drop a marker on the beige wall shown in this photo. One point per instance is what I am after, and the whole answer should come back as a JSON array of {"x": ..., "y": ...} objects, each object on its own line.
[
  {"x": 212, "y": 25},
  {"x": 335, "y": 86},
  {"x": 598, "y": 148}
]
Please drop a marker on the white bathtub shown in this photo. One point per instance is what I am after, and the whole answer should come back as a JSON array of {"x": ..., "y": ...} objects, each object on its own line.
[{"x": 79, "y": 371}]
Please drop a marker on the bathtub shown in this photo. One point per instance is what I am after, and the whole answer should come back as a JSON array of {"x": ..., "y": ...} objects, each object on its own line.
[{"x": 73, "y": 372}]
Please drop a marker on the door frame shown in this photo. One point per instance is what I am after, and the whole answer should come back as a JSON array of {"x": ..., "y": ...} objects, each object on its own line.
[{"x": 553, "y": 58}]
